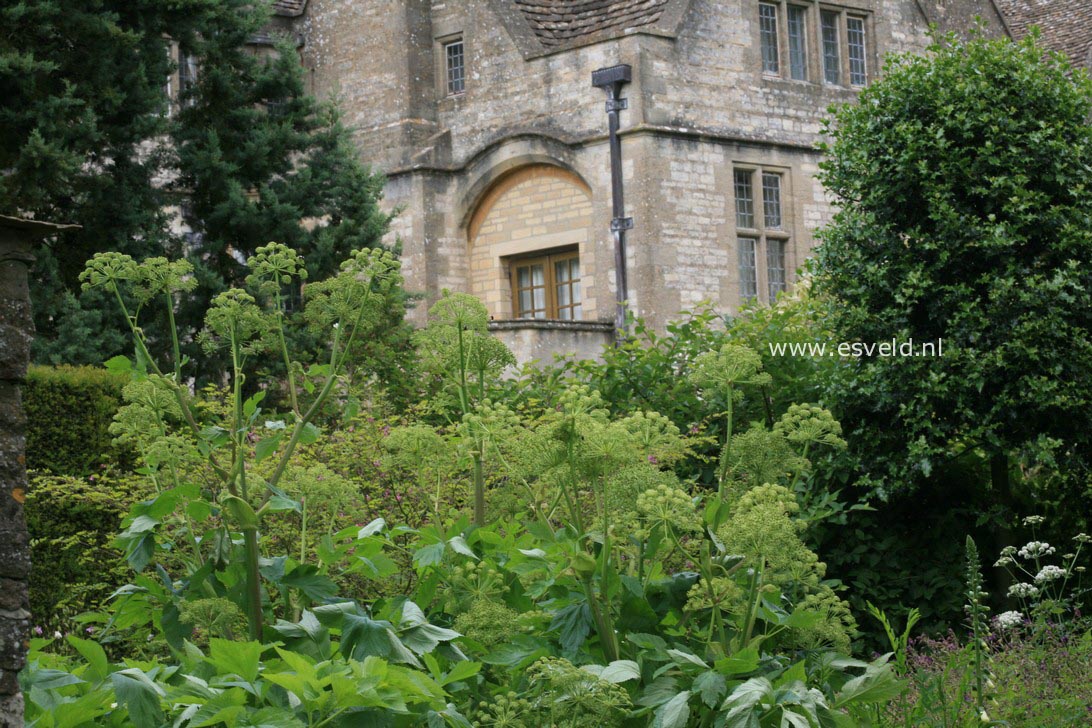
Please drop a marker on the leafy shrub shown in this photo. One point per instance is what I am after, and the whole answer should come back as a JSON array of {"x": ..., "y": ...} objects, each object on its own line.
[
  {"x": 72, "y": 524},
  {"x": 69, "y": 410}
]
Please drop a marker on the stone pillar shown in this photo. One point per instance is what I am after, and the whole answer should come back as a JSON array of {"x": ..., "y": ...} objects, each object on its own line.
[{"x": 16, "y": 330}]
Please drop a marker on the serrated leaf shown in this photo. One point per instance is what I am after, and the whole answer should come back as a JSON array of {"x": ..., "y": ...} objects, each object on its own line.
[
  {"x": 429, "y": 555},
  {"x": 235, "y": 658},
  {"x": 266, "y": 447},
  {"x": 119, "y": 365},
  {"x": 98, "y": 664},
  {"x": 674, "y": 713},
  {"x": 711, "y": 686},
  {"x": 309, "y": 434},
  {"x": 305, "y": 577},
  {"x": 140, "y": 696},
  {"x": 461, "y": 671},
  {"x": 621, "y": 671},
  {"x": 683, "y": 656},
  {"x": 250, "y": 406},
  {"x": 372, "y": 528},
  {"x": 459, "y": 545},
  {"x": 284, "y": 503}
]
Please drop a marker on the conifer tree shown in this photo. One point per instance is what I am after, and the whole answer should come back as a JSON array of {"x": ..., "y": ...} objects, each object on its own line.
[{"x": 244, "y": 152}]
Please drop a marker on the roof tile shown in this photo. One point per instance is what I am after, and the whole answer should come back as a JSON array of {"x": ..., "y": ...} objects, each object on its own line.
[
  {"x": 563, "y": 23},
  {"x": 1066, "y": 24}
]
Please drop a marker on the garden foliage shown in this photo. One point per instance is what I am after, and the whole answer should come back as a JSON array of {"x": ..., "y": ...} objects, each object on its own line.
[
  {"x": 962, "y": 177},
  {"x": 69, "y": 411},
  {"x": 613, "y": 591}
]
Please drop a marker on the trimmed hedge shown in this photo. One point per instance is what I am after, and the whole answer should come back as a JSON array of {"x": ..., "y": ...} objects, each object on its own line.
[
  {"x": 72, "y": 524},
  {"x": 69, "y": 410}
]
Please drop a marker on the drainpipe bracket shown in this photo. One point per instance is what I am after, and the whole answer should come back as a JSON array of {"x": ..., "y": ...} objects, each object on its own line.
[
  {"x": 621, "y": 223},
  {"x": 617, "y": 105}
]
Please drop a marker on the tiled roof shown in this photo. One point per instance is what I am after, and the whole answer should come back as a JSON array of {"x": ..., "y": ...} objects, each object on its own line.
[
  {"x": 289, "y": 8},
  {"x": 1066, "y": 24},
  {"x": 565, "y": 23}
]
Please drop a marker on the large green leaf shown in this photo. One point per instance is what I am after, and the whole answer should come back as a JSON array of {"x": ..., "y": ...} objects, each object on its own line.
[
  {"x": 235, "y": 658},
  {"x": 140, "y": 695}
]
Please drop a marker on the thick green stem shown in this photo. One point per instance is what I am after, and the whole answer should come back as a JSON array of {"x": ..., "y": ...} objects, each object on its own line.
[
  {"x": 285, "y": 356},
  {"x": 479, "y": 491},
  {"x": 722, "y": 474},
  {"x": 607, "y": 639},
  {"x": 253, "y": 584}
]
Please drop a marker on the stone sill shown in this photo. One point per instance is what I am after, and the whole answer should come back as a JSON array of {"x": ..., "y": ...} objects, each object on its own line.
[{"x": 551, "y": 325}]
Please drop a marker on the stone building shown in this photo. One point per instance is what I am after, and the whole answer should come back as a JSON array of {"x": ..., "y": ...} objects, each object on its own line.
[{"x": 483, "y": 117}]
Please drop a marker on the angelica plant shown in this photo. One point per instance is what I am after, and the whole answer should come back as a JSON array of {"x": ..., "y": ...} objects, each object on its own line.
[
  {"x": 344, "y": 306},
  {"x": 457, "y": 347}
]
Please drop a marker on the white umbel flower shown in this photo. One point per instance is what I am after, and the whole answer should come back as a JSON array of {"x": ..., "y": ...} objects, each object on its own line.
[
  {"x": 1024, "y": 591},
  {"x": 1049, "y": 573},
  {"x": 1008, "y": 620},
  {"x": 1036, "y": 549}
]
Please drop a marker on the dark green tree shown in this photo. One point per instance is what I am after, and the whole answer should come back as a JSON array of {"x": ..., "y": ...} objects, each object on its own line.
[
  {"x": 245, "y": 153},
  {"x": 82, "y": 84},
  {"x": 963, "y": 178},
  {"x": 258, "y": 159}
]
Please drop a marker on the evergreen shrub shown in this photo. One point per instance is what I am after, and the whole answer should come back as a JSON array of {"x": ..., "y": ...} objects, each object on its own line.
[
  {"x": 69, "y": 411},
  {"x": 72, "y": 523}
]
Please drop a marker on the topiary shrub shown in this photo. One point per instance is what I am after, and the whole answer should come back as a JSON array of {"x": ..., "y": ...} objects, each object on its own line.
[
  {"x": 72, "y": 524},
  {"x": 69, "y": 410}
]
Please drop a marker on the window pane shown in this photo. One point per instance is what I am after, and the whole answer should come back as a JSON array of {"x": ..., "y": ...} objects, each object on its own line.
[
  {"x": 745, "y": 203},
  {"x": 748, "y": 270},
  {"x": 767, "y": 24},
  {"x": 538, "y": 275},
  {"x": 561, "y": 271},
  {"x": 832, "y": 71},
  {"x": 771, "y": 200},
  {"x": 523, "y": 277},
  {"x": 525, "y": 304},
  {"x": 576, "y": 292},
  {"x": 855, "y": 40},
  {"x": 540, "y": 302},
  {"x": 775, "y": 266},
  {"x": 563, "y": 296},
  {"x": 456, "y": 70},
  {"x": 798, "y": 45}
]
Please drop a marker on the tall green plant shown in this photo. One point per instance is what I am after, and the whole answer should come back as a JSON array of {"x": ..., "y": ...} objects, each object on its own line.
[
  {"x": 167, "y": 421},
  {"x": 458, "y": 348}
]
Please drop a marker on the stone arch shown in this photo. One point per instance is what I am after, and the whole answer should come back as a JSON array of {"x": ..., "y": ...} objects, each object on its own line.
[{"x": 539, "y": 212}]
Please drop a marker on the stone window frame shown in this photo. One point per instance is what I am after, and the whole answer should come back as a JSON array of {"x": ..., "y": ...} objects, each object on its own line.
[
  {"x": 551, "y": 309},
  {"x": 764, "y": 235},
  {"x": 444, "y": 68},
  {"x": 814, "y": 64}
]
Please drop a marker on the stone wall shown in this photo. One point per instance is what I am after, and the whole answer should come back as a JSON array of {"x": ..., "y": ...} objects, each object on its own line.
[{"x": 16, "y": 327}]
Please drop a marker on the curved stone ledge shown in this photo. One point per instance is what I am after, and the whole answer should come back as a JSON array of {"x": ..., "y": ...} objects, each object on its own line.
[{"x": 539, "y": 340}]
